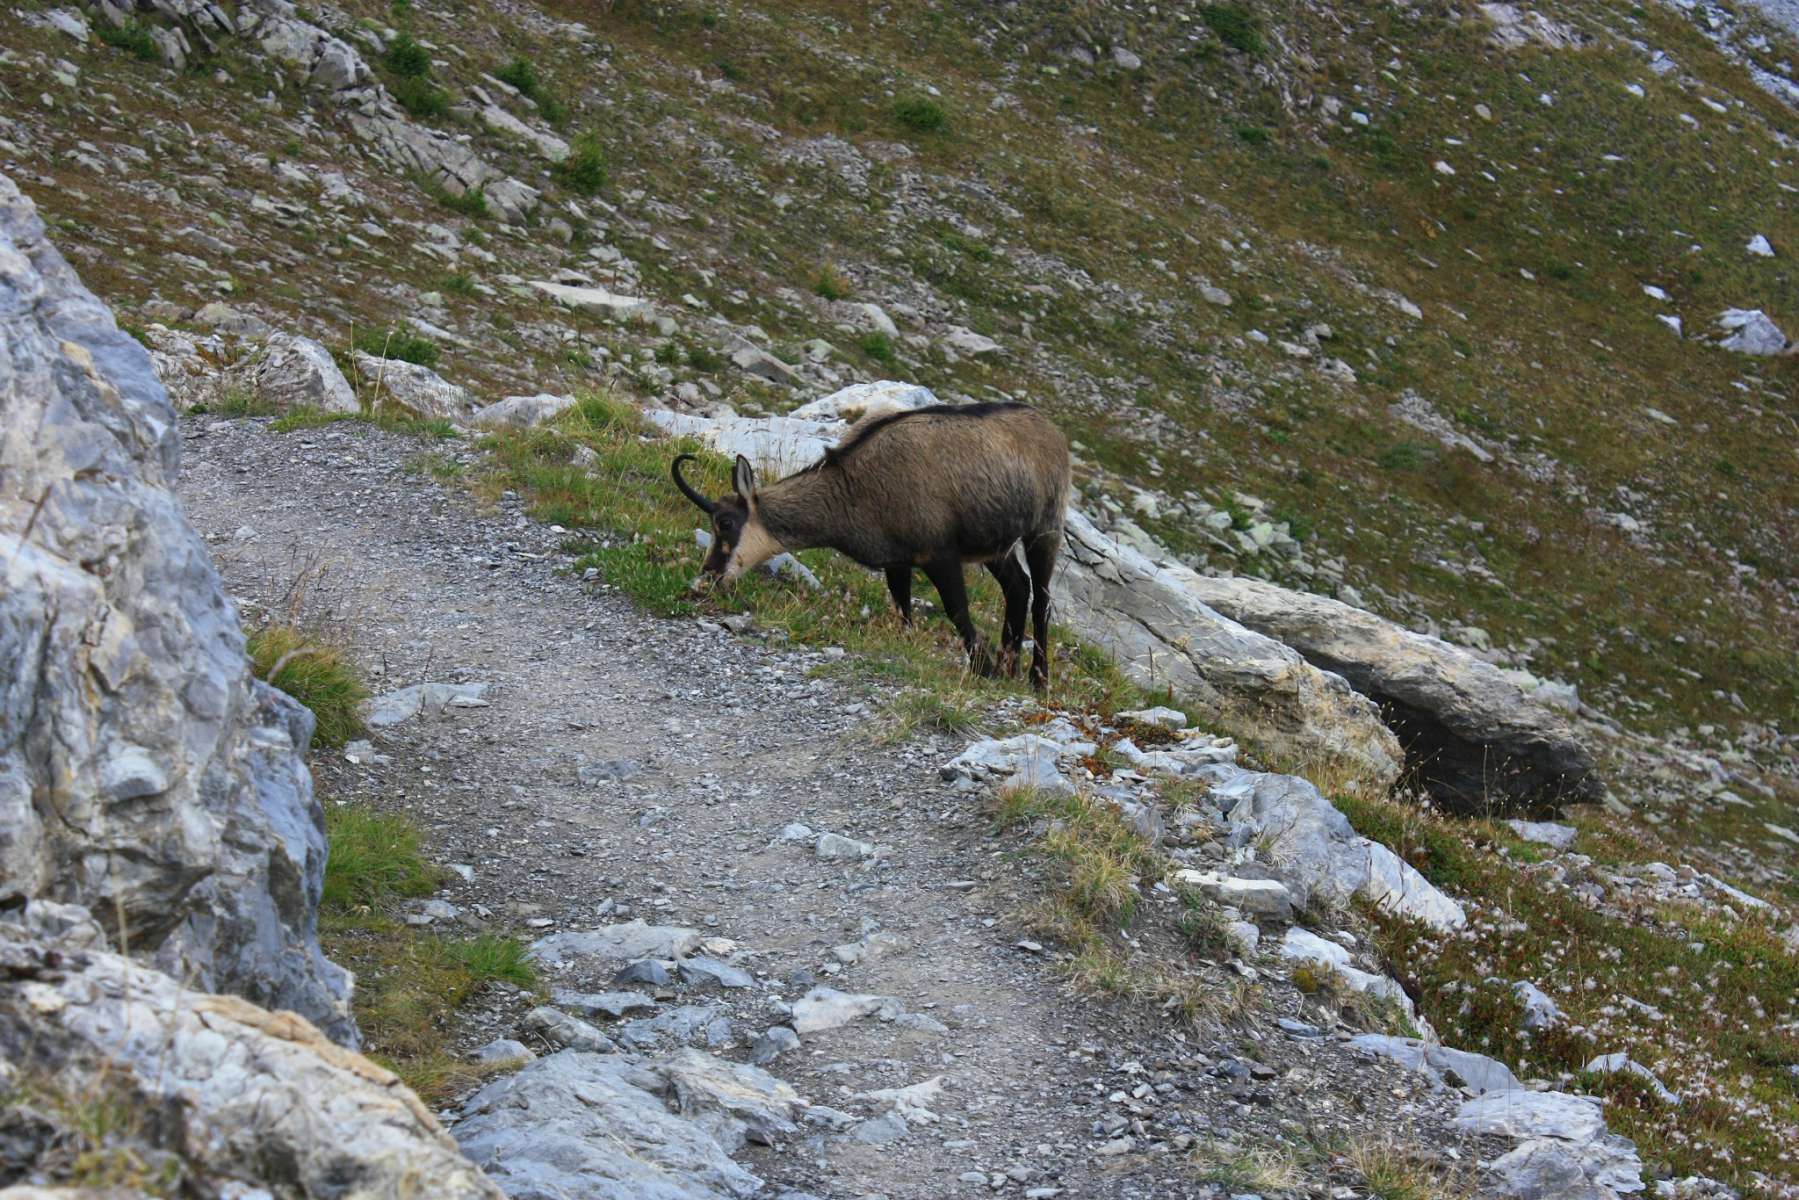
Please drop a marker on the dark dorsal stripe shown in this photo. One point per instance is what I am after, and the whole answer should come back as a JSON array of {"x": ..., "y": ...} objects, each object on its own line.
[{"x": 837, "y": 454}]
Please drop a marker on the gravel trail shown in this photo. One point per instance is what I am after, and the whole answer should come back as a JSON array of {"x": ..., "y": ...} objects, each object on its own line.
[{"x": 627, "y": 766}]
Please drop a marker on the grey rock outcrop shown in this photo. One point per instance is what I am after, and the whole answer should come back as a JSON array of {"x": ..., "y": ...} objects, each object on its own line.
[
  {"x": 1472, "y": 738},
  {"x": 239, "y": 1092},
  {"x": 144, "y": 772},
  {"x": 1441, "y": 1063},
  {"x": 417, "y": 389},
  {"x": 522, "y": 412},
  {"x": 1320, "y": 855},
  {"x": 597, "y": 1126},
  {"x": 1154, "y": 620},
  {"x": 297, "y": 372},
  {"x": 1562, "y": 1147},
  {"x": 1751, "y": 331}
]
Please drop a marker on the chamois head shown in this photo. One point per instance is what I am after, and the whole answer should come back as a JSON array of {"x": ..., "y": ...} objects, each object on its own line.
[{"x": 740, "y": 541}]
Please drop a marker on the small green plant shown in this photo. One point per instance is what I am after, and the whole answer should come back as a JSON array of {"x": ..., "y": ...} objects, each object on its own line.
[
  {"x": 1254, "y": 135},
  {"x": 831, "y": 283},
  {"x": 398, "y": 341},
  {"x": 1235, "y": 26},
  {"x": 1403, "y": 456},
  {"x": 375, "y": 857},
  {"x": 877, "y": 346},
  {"x": 471, "y": 204},
  {"x": 315, "y": 674},
  {"x": 489, "y": 956},
  {"x": 520, "y": 73},
  {"x": 239, "y": 402},
  {"x": 584, "y": 170},
  {"x": 132, "y": 37},
  {"x": 920, "y": 114},
  {"x": 406, "y": 58},
  {"x": 461, "y": 283},
  {"x": 669, "y": 354},
  {"x": 705, "y": 358},
  {"x": 420, "y": 97}
]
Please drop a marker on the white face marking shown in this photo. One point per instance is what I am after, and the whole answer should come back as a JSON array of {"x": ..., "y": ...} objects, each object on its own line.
[{"x": 754, "y": 547}]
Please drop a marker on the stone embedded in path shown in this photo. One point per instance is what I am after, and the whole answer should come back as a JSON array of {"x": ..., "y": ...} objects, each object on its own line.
[
  {"x": 503, "y": 1050},
  {"x": 616, "y": 944},
  {"x": 601, "y": 1004},
  {"x": 826, "y": 1008},
  {"x": 558, "y": 1028},
  {"x": 734, "y": 1102},
  {"x": 836, "y": 846},
  {"x": 772, "y": 1043},
  {"x": 597, "y": 1127},
  {"x": 701, "y": 971},
  {"x": 683, "y": 1025},
  {"x": 390, "y": 708}
]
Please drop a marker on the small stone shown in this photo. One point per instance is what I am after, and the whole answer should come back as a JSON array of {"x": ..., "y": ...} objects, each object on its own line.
[
  {"x": 701, "y": 971},
  {"x": 774, "y": 1042},
  {"x": 503, "y": 1050},
  {"x": 557, "y": 1027},
  {"x": 650, "y": 971},
  {"x": 832, "y": 846},
  {"x": 882, "y": 1130}
]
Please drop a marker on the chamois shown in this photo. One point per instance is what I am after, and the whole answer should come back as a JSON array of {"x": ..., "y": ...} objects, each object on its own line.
[{"x": 933, "y": 488}]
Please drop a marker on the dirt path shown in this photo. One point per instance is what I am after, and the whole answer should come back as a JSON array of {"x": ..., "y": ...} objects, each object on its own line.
[{"x": 734, "y": 741}]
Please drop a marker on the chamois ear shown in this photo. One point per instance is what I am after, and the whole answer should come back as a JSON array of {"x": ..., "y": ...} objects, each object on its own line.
[{"x": 743, "y": 478}]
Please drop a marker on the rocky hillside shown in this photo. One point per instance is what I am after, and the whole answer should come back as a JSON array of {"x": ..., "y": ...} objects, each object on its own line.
[{"x": 1429, "y": 377}]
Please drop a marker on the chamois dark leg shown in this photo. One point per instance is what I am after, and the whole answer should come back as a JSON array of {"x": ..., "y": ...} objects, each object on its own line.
[
  {"x": 899, "y": 582},
  {"x": 946, "y": 574},
  {"x": 1040, "y": 557},
  {"x": 1017, "y": 588}
]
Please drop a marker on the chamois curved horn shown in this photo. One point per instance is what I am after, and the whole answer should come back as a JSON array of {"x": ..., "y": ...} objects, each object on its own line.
[{"x": 706, "y": 506}]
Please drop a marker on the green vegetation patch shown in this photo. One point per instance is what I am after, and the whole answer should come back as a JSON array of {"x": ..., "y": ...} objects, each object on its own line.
[
  {"x": 397, "y": 341},
  {"x": 409, "y": 982},
  {"x": 133, "y": 37},
  {"x": 1709, "y": 1003},
  {"x": 314, "y": 673},
  {"x": 584, "y": 170}
]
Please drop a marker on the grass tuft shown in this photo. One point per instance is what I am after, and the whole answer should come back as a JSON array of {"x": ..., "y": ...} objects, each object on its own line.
[
  {"x": 374, "y": 857},
  {"x": 133, "y": 37},
  {"x": 315, "y": 674},
  {"x": 397, "y": 341},
  {"x": 584, "y": 170},
  {"x": 920, "y": 114}
]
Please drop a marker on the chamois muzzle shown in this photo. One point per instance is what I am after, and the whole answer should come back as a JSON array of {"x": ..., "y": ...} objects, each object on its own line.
[{"x": 706, "y": 506}]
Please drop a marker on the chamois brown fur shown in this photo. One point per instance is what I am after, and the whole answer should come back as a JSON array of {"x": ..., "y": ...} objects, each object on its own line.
[{"x": 933, "y": 488}]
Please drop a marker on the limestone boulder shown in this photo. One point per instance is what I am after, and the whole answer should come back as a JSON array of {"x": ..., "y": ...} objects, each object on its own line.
[
  {"x": 144, "y": 772},
  {"x": 1153, "y": 620},
  {"x": 1472, "y": 738},
  {"x": 235, "y": 1091}
]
